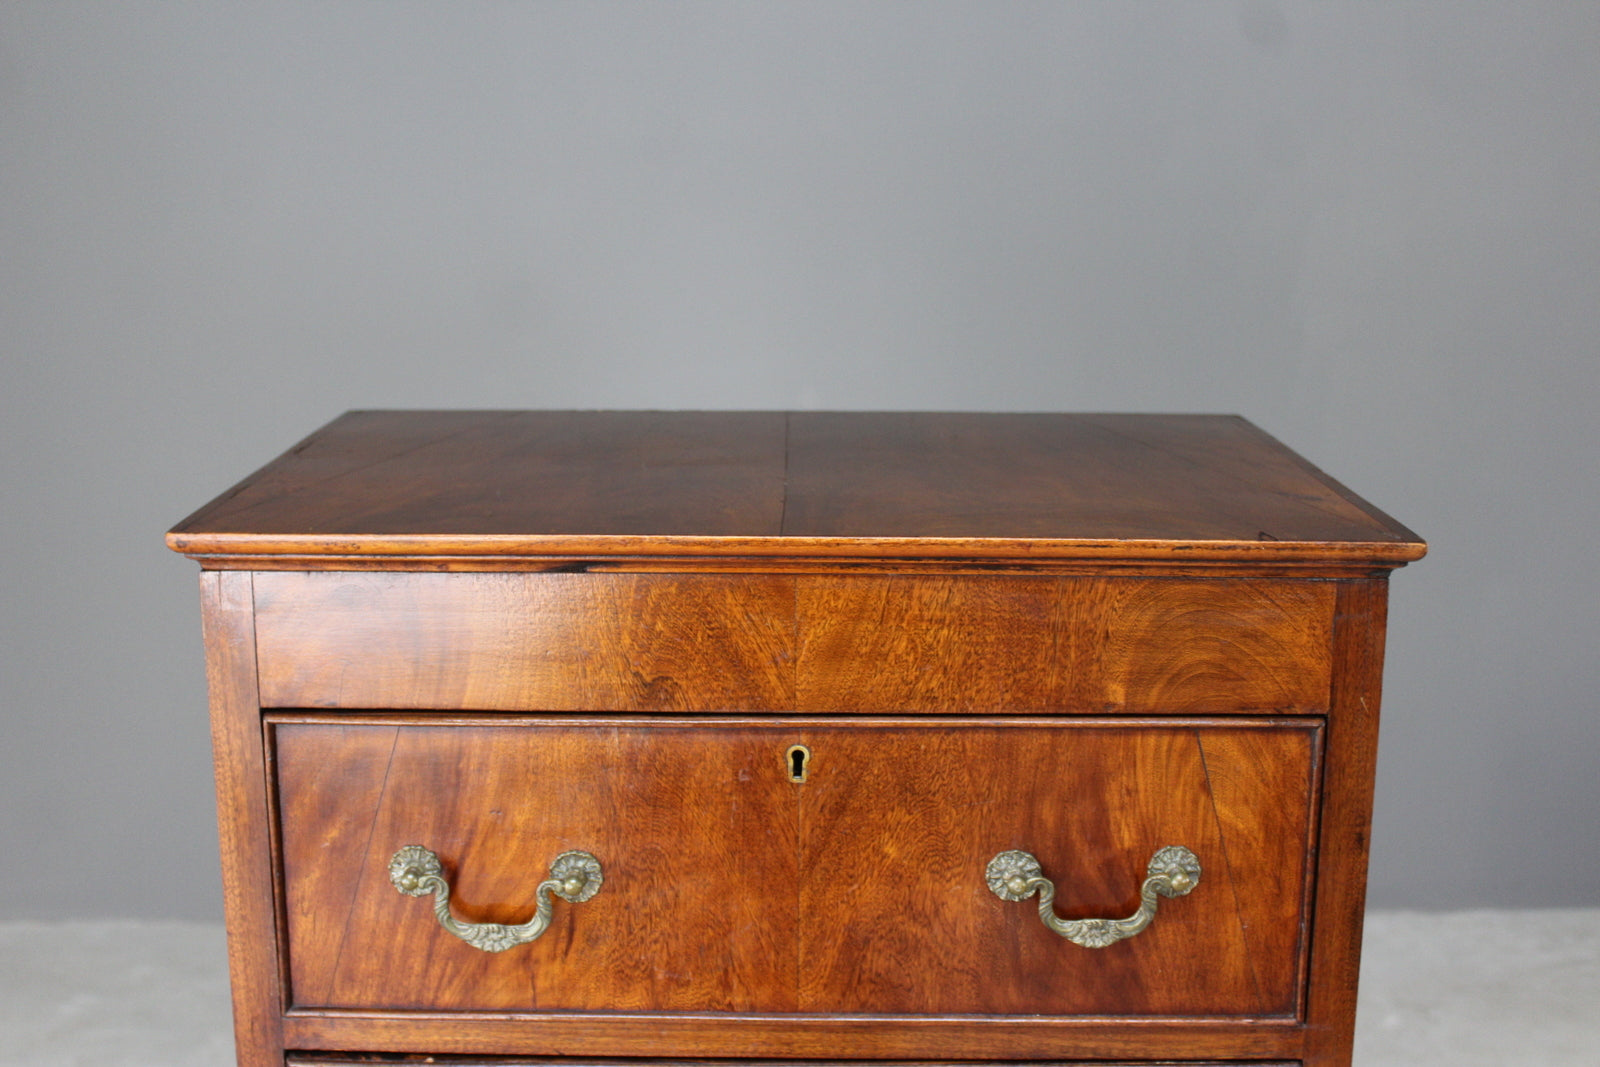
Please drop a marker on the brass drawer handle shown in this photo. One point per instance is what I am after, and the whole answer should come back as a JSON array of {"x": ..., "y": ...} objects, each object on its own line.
[
  {"x": 574, "y": 877},
  {"x": 1173, "y": 872}
]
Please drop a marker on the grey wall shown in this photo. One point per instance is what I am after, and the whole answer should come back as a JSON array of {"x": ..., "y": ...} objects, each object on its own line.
[{"x": 1372, "y": 228}]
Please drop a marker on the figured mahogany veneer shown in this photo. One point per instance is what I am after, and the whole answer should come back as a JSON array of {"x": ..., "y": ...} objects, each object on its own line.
[
  {"x": 708, "y": 906},
  {"x": 336, "y": 1060},
  {"x": 822, "y": 643},
  {"x": 507, "y": 489},
  {"x": 505, "y": 635}
]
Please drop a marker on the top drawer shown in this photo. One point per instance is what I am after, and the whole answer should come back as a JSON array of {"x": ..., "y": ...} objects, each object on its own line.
[{"x": 836, "y": 644}]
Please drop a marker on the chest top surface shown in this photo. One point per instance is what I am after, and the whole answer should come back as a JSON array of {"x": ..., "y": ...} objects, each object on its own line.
[{"x": 754, "y": 485}]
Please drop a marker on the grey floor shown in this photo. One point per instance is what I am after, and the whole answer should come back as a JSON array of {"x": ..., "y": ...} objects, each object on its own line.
[{"x": 1457, "y": 989}]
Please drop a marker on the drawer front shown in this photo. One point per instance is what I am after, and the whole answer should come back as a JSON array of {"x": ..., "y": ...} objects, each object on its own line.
[
  {"x": 525, "y": 642},
  {"x": 688, "y": 846},
  {"x": 824, "y": 644},
  {"x": 305, "y": 1059},
  {"x": 898, "y": 827},
  {"x": 730, "y": 887},
  {"x": 1067, "y": 645}
]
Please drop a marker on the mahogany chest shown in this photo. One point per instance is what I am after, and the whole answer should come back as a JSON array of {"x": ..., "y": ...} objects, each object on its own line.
[{"x": 580, "y": 737}]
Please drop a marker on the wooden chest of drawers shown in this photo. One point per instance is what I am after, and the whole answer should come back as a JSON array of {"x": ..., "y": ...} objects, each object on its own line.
[{"x": 580, "y": 737}]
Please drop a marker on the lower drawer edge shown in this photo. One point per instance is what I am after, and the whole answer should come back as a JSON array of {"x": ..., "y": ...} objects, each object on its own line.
[
  {"x": 340, "y": 1059},
  {"x": 818, "y": 1039}
]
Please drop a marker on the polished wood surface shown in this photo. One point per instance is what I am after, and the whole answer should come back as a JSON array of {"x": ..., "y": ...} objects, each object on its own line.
[
  {"x": 517, "y": 641},
  {"x": 730, "y": 887},
  {"x": 804, "y": 1037},
  {"x": 766, "y": 484},
  {"x": 899, "y": 822},
  {"x": 244, "y": 821},
  {"x": 1083, "y": 636},
  {"x": 1096, "y": 646},
  {"x": 807, "y": 643},
  {"x": 640, "y": 473},
  {"x": 530, "y": 1061},
  {"x": 698, "y": 851},
  {"x": 1346, "y": 824},
  {"x": 1162, "y": 478}
]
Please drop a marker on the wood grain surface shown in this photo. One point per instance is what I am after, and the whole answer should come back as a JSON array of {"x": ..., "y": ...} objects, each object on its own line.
[
  {"x": 641, "y": 473},
  {"x": 696, "y": 911},
  {"x": 1345, "y": 829},
  {"x": 339, "y": 1060},
  {"x": 1082, "y": 636},
  {"x": 510, "y": 484},
  {"x": 805, "y": 1037},
  {"x": 899, "y": 823},
  {"x": 244, "y": 822},
  {"x": 1021, "y": 644},
  {"x": 802, "y": 643},
  {"x": 731, "y": 888},
  {"x": 578, "y": 642},
  {"x": 1103, "y": 477}
]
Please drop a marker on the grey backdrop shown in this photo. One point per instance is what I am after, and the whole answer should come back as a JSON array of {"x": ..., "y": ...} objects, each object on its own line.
[{"x": 1372, "y": 228}]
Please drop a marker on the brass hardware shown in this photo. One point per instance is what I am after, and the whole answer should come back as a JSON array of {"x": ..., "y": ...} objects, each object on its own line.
[
  {"x": 797, "y": 761},
  {"x": 1173, "y": 872},
  {"x": 574, "y": 877}
]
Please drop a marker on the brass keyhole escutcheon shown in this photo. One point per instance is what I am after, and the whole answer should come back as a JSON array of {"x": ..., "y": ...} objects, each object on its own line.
[{"x": 798, "y": 762}]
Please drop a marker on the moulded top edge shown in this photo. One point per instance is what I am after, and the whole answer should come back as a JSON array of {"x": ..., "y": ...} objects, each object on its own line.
[
  {"x": 848, "y": 485},
  {"x": 509, "y": 546}
]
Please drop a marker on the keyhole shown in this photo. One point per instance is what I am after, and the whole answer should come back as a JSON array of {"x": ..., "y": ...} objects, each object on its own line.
[{"x": 798, "y": 756}]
